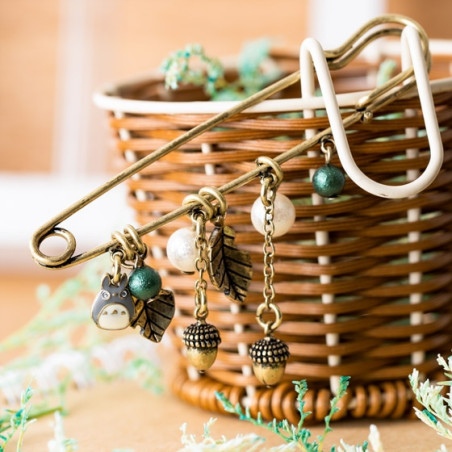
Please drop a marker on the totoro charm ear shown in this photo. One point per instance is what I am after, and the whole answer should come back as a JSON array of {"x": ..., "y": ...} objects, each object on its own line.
[
  {"x": 123, "y": 282},
  {"x": 106, "y": 282}
]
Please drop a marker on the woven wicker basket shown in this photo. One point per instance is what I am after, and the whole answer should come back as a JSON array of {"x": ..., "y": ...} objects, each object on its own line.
[{"x": 363, "y": 282}]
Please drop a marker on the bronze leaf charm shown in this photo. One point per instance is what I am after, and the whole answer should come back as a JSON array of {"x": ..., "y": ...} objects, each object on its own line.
[
  {"x": 230, "y": 269},
  {"x": 155, "y": 315}
]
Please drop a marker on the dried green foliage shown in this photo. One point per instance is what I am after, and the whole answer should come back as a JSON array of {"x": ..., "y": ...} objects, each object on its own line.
[
  {"x": 437, "y": 412},
  {"x": 60, "y": 347},
  {"x": 296, "y": 436},
  {"x": 16, "y": 422},
  {"x": 255, "y": 71}
]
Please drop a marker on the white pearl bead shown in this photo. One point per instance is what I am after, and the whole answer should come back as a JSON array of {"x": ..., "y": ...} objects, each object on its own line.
[
  {"x": 283, "y": 219},
  {"x": 181, "y": 249}
]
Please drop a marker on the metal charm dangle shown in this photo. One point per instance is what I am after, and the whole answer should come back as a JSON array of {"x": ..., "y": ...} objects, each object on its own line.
[
  {"x": 329, "y": 180},
  {"x": 283, "y": 210},
  {"x": 137, "y": 300},
  {"x": 230, "y": 269},
  {"x": 201, "y": 338},
  {"x": 269, "y": 355},
  {"x": 113, "y": 307}
]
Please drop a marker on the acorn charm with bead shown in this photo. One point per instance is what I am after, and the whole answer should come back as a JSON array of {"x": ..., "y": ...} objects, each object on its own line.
[
  {"x": 269, "y": 355},
  {"x": 201, "y": 339}
]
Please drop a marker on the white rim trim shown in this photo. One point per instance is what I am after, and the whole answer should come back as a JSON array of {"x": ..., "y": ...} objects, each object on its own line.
[{"x": 106, "y": 100}]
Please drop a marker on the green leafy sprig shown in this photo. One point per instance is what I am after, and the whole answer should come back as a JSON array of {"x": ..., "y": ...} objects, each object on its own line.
[
  {"x": 437, "y": 412},
  {"x": 255, "y": 70},
  {"x": 295, "y": 435}
]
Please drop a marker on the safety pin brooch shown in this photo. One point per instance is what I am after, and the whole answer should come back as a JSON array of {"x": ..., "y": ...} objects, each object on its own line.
[{"x": 413, "y": 37}]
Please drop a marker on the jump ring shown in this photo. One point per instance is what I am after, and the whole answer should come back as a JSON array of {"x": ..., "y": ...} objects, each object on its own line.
[
  {"x": 117, "y": 259},
  {"x": 277, "y": 171},
  {"x": 269, "y": 326},
  {"x": 327, "y": 146},
  {"x": 137, "y": 241},
  {"x": 208, "y": 208},
  {"x": 125, "y": 245},
  {"x": 216, "y": 194}
]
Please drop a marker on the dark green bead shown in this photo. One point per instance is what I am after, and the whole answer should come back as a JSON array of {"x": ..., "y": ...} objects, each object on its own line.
[
  {"x": 144, "y": 282},
  {"x": 328, "y": 181}
]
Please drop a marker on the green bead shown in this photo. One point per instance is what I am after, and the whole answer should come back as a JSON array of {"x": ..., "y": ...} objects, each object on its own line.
[
  {"x": 328, "y": 181},
  {"x": 144, "y": 282}
]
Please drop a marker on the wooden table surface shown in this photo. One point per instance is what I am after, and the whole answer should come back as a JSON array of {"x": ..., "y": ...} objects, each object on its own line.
[{"x": 123, "y": 415}]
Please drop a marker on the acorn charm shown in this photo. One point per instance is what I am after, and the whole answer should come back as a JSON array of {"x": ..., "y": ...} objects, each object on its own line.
[
  {"x": 269, "y": 356},
  {"x": 202, "y": 340}
]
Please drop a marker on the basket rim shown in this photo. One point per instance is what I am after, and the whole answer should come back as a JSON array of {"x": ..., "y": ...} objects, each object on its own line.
[{"x": 107, "y": 99}]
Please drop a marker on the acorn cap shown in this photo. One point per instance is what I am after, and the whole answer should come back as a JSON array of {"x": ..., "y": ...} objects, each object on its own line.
[
  {"x": 201, "y": 336},
  {"x": 269, "y": 352}
]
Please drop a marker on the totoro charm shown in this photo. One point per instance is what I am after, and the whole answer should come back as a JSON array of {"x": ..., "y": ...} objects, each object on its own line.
[{"x": 113, "y": 308}]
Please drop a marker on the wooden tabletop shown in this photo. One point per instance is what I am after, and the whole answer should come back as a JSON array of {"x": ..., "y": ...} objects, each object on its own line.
[{"x": 123, "y": 415}]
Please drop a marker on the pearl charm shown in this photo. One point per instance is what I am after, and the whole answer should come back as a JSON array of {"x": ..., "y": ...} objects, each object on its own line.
[
  {"x": 328, "y": 181},
  {"x": 181, "y": 249},
  {"x": 284, "y": 215},
  {"x": 144, "y": 283}
]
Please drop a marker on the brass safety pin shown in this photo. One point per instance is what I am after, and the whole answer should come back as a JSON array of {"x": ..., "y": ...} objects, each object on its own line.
[{"x": 336, "y": 59}]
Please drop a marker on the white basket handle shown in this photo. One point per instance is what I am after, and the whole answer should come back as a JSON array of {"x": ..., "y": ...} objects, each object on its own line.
[{"x": 312, "y": 56}]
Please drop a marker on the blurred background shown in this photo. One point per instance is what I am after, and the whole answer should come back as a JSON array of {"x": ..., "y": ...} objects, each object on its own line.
[{"x": 56, "y": 53}]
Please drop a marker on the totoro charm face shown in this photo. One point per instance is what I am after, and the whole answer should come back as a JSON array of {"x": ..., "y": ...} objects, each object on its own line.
[{"x": 113, "y": 308}]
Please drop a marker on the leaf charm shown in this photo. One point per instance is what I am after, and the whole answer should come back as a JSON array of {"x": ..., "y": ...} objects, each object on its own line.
[
  {"x": 155, "y": 315},
  {"x": 230, "y": 269}
]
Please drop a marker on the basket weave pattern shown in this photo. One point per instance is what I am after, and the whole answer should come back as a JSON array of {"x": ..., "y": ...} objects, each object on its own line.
[{"x": 363, "y": 282}]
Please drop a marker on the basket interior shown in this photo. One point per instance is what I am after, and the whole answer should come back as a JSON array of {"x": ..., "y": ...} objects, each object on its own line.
[{"x": 363, "y": 282}]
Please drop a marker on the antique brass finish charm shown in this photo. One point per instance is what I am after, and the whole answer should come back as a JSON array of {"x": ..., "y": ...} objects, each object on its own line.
[
  {"x": 202, "y": 340},
  {"x": 135, "y": 301},
  {"x": 269, "y": 355},
  {"x": 230, "y": 269},
  {"x": 155, "y": 315}
]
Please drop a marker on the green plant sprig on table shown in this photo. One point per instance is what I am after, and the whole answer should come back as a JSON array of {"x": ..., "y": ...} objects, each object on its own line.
[
  {"x": 437, "y": 412},
  {"x": 295, "y": 435},
  {"x": 61, "y": 330},
  {"x": 16, "y": 421},
  {"x": 253, "y": 75}
]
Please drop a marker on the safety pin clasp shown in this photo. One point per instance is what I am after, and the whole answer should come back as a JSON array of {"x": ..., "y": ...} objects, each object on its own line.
[{"x": 335, "y": 59}]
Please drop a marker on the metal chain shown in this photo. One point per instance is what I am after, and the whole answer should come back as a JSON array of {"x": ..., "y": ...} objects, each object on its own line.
[
  {"x": 268, "y": 194},
  {"x": 201, "y": 264},
  {"x": 268, "y": 199}
]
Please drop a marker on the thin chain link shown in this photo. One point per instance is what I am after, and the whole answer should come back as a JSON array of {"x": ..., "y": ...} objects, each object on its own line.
[
  {"x": 269, "y": 247},
  {"x": 201, "y": 310},
  {"x": 268, "y": 194}
]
